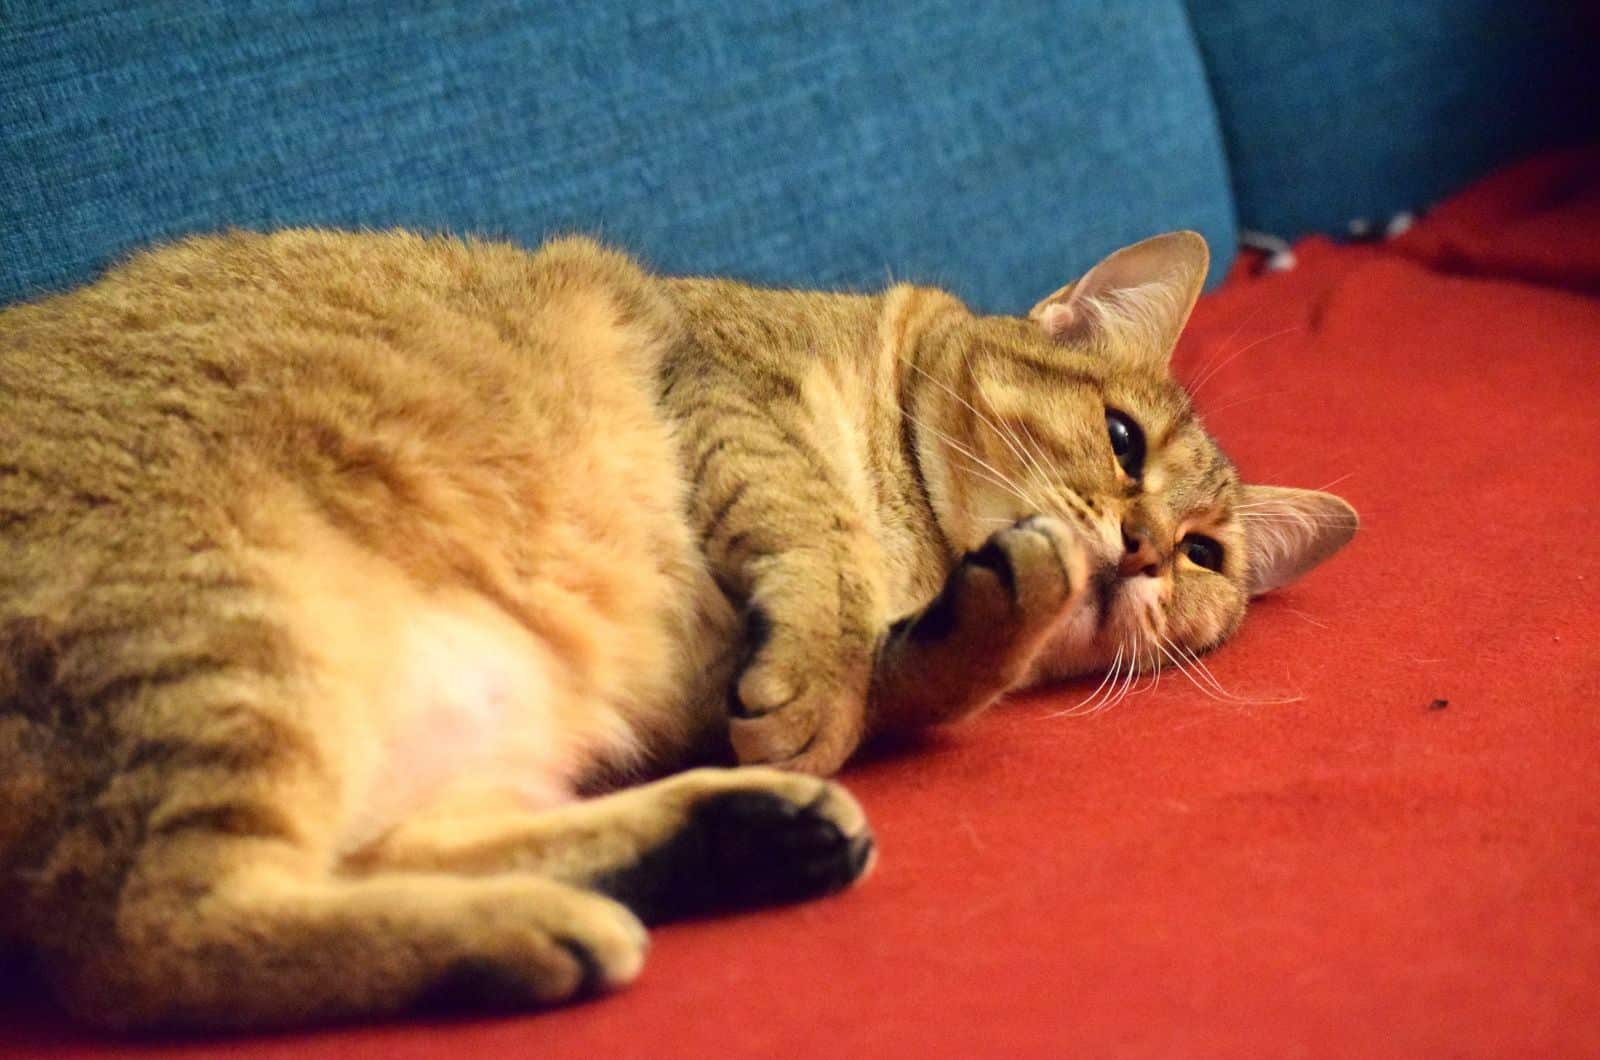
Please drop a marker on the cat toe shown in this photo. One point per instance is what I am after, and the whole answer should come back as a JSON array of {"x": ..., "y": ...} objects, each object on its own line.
[
  {"x": 589, "y": 945},
  {"x": 798, "y": 703},
  {"x": 751, "y": 846},
  {"x": 1045, "y": 562},
  {"x": 767, "y": 849}
]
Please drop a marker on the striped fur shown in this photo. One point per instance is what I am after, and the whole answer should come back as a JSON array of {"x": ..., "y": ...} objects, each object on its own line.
[{"x": 334, "y": 566}]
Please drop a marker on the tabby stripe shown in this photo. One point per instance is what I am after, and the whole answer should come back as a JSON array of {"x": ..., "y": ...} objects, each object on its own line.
[
  {"x": 745, "y": 540},
  {"x": 245, "y": 820},
  {"x": 807, "y": 495},
  {"x": 1036, "y": 436},
  {"x": 240, "y": 738},
  {"x": 726, "y": 441},
  {"x": 166, "y": 673},
  {"x": 126, "y": 620},
  {"x": 1217, "y": 471},
  {"x": 711, "y": 452},
  {"x": 908, "y": 443},
  {"x": 785, "y": 386},
  {"x": 1179, "y": 422},
  {"x": 672, "y": 372},
  {"x": 715, "y": 522},
  {"x": 1059, "y": 373},
  {"x": 804, "y": 448},
  {"x": 159, "y": 576},
  {"x": 182, "y": 755}
]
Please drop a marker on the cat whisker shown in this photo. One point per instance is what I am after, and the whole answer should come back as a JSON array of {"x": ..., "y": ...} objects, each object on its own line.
[
  {"x": 1003, "y": 435},
  {"x": 1177, "y": 665},
  {"x": 1117, "y": 674},
  {"x": 1126, "y": 685},
  {"x": 999, "y": 476},
  {"x": 1033, "y": 452},
  {"x": 1244, "y": 399},
  {"x": 1147, "y": 632},
  {"x": 1200, "y": 666},
  {"x": 1304, "y": 616},
  {"x": 1066, "y": 502},
  {"x": 1074, "y": 710},
  {"x": 1135, "y": 677},
  {"x": 994, "y": 475},
  {"x": 1225, "y": 343},
  {"x": 1276, "y": 511},
  {"x": 1152, "y": 631},
  {"x": 1246, "y": 348}
]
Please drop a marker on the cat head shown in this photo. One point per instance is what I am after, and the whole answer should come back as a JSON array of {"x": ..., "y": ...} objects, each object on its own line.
[{"x": 1073, "y": 412}]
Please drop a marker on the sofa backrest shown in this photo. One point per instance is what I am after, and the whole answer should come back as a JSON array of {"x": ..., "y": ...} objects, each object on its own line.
[
  {"x": 1361, "y": 109},
  {"x": 998, "y": 152}
]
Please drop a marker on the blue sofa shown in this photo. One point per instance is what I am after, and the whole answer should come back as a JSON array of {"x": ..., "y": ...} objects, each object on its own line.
[{"x": 996, "y": 151}]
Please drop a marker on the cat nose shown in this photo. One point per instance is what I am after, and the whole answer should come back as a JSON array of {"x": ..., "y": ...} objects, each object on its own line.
[{"x": 1139, "y": 555}]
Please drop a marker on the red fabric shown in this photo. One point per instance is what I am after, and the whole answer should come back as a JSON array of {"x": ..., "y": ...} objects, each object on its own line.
[{"x": 1349, "y": 873}]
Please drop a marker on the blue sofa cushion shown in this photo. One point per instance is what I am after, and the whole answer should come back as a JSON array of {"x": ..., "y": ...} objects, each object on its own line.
[
  {"x": 1357, "y": 110},
  {"x": 814, "y": 143}
]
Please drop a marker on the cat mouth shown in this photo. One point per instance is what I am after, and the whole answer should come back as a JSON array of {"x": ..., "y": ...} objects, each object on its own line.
[
  {"x": 1104, "y": 589},
  {"x": 1127, "y": 610}
]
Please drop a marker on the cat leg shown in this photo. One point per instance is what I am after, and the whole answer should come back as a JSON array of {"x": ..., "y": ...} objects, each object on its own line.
[
  {"x": 213, "y": 736},
  {"x": 979, "y": 636},
  {"x": 695, "y": 843},
  {"x": 217, "y": 926},
  {"x": 193, "y": 881},
  {"x": 784, "y": 534}
]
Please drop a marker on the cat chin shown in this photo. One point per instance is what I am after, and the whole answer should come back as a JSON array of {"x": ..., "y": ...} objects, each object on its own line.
[
  {"x": 1073, "y": 648},
  {"x": 1087, "y": 639}
]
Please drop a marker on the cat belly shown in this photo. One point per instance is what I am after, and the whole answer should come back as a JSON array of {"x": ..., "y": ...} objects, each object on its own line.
[
  {"x": 431, "y": 698},
  {"x": 475, "y": 715}
]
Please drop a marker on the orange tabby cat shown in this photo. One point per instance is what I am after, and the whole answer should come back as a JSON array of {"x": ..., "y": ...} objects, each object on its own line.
[{"x": 335, "y": 567}]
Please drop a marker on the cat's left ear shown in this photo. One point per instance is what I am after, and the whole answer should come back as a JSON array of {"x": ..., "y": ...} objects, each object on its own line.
[
  {"x": 1136, "y": 301},
  {"x": 1289, "y": 531}
]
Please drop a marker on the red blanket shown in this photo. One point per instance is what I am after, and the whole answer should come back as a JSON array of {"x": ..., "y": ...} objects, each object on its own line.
[{"x": 1383, "y": 839}]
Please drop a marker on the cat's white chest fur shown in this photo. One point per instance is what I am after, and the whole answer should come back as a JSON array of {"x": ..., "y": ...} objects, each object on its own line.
[
  {"x": 474, "y": 708},
  {"x": 430, "y": 697}
]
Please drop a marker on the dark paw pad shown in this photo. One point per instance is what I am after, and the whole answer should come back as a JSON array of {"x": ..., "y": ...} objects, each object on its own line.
[
  {"x": 955, "y": 604},
  {"x": 765, "y": 849},
  {"x": 757, "y": 631},
  {"x": 475, "y": 984},
  {"x": 933, "y": 623},
  {"x": 739, "y": 850},
  {"x": 992, "y": 557}
]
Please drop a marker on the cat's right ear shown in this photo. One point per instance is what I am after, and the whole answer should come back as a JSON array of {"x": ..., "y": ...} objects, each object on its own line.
[
  {"x": 1288, "y": 531},
  {"x": 1138, "y": 298}
]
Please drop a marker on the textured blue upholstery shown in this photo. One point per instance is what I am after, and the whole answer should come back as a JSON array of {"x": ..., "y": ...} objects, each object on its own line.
[
  {"x": 1363, "y": 108},
  {"x": 998, "y": 151}
]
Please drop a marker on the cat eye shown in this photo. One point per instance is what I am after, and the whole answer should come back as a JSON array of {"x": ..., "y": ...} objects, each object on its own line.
[
  {"x": 1127, "y": 441},
  {"x": 1202, "y": 551}
]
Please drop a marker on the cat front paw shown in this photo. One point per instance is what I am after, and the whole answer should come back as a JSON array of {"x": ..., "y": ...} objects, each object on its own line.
[
  {"x": 976, "y": 640},
  {"x": 800, "y": 700},
  {"x": 1014, "y": 587}
]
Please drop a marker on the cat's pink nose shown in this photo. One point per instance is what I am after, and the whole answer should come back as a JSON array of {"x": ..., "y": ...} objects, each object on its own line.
[{"x": 1139, "y": 556}]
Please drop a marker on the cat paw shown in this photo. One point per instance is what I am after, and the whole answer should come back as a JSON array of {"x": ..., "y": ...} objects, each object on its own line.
[
  {"x": 576, "y": 944},
  {"x": 800, "y": 701},
  {"x": 750, "y": 837},
  {"x": 1018, "y": 583}
]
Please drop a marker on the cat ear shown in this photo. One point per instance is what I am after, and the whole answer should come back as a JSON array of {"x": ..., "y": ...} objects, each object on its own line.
[
  {"x": 1289, "y": 531},
  {"x": 1140, "y": 297}
]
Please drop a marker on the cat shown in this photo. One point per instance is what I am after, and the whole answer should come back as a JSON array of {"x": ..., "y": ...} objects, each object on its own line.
[{"x": 349, "y": 583}]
